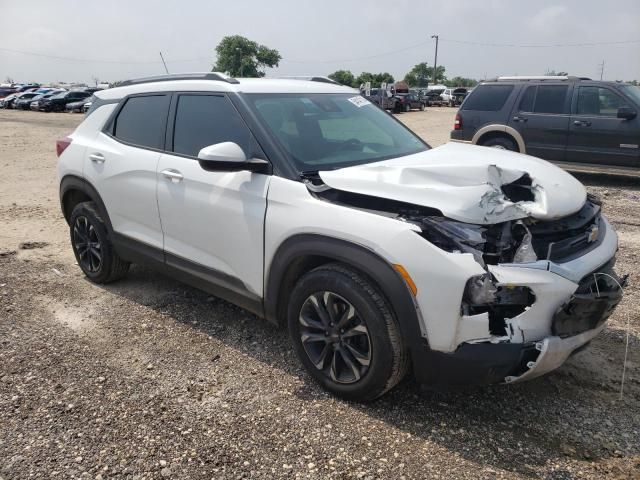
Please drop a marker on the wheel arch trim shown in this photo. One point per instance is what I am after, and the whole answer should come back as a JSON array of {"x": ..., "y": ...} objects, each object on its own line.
[
  {"x": 391, "y": 285},
  {"x": 502, "y": 129},
  {"x": 71, "y": 183}
]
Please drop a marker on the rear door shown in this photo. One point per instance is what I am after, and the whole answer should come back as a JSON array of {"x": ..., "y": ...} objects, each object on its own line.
[
  {"x": 541, "y": 116},
  {"x": 596, "y": 134},
  {"x": 121, "y": 165}
]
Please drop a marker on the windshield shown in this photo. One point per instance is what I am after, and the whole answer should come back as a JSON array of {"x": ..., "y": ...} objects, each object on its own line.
[
  {"x": 330, "y": 131},
  {"x": 633, "y": 91},
  {"x": 58, "y": 95}
]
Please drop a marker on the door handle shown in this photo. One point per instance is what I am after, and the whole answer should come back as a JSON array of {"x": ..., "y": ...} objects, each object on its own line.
[
  {"x": 520, "y": 119},
  {"x": 97, "y": 158},
  {"x": 174, "y": 175},
  {"x": 582, "y": 123}
]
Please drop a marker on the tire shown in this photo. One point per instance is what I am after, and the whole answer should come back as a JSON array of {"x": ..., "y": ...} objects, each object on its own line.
[
  {"x": 407, "y": 108},
  {"x": 364, "y": 359},
  {"x": 422, "y": 107},
  {"x": 98, "y": 260},
  {"x": 502, "y": 143}
]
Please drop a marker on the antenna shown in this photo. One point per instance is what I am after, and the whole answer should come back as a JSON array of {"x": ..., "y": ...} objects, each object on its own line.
[
  {"x": 601, "y": 69},
  {"x": 164, "y": 63}
]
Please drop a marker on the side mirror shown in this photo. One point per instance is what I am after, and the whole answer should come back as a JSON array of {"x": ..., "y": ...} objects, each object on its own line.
[
  {"x": 626, "y": 113},
  {"x": 229, "y": 157}
]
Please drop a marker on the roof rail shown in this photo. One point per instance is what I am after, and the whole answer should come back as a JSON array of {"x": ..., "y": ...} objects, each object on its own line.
[
  {"x": 221, "y": 77},
  {"x": 540, "y": 78},
  {"x": 312, "y": 79}
]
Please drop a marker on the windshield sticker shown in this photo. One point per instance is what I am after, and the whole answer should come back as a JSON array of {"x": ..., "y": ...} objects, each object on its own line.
[{"x": 359, "y": 101}]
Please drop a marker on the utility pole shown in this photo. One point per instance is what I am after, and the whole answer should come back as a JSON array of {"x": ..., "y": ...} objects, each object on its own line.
[
  {"x": 164, "y": 63},
  {"x": 435, "y": 61},
  {"x": 601, "y": 69}
]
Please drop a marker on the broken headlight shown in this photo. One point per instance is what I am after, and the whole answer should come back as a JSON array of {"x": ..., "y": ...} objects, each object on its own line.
[{"x": 509, "y": 242}]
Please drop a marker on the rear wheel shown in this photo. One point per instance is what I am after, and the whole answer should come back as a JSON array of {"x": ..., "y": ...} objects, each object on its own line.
[
  {"x": 422, "y": 107},
  {"x": 345, "y": 334},
  {"x": 407, "y": 107},
  {"x": 503, "y": 143},
  {"x": 92, "y": 247}
]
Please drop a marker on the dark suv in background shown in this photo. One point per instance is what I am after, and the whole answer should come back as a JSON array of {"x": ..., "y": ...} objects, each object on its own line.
[
  {"x": 57, "y": 103},
  {"x": 561, "y": 119}
]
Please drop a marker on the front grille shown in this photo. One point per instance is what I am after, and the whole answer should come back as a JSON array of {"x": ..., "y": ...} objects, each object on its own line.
[{"x": 569, "y": 237}]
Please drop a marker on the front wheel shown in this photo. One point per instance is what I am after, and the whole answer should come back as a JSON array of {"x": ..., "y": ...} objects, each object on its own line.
[
  {"x": 92, "y": 247},
  {"x": 345, "y": 334},
  {"x": 407, "y": 108}
]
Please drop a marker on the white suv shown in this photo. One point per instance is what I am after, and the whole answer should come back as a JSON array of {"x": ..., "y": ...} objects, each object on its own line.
[{"x": 306, "y": 204}]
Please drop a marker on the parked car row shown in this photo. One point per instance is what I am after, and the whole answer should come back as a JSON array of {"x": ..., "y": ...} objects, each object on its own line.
[{"x": 46, "y": 99}]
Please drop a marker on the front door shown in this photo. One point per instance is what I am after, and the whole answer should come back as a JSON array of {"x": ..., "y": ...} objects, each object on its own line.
[
  {"x": 213, "y": 221},
  {"x": 541, "y": 116},
  {"x": 597, "y": 135}
]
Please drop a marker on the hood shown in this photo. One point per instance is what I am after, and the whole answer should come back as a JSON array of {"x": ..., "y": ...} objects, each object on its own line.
[{"x": 468, "y": 183}]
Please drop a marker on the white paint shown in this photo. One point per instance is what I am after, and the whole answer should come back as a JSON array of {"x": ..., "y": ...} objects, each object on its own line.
[{"x": 463, "y": 182}]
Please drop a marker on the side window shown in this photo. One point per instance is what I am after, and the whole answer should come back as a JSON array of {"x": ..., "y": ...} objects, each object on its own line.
[
  {"x": 142, "y": 121},
  {"x": 551, "y": 99},
  {"x": 488, "y": 98},
  {"x": 203, "y": 120},
  {"x": 526, "y": 104},
  {"x": 599, "y": 101}
]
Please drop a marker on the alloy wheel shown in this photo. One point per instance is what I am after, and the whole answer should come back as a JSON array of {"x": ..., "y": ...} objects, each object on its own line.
[
  {"x": 335, "y": 337},
  {"x": 87, "y": 245}
]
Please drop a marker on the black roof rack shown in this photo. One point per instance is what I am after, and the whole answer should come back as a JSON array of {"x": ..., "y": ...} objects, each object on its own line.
[
  {"x": 539, "y": 78},
  {"x": 181, "y": 76},
  {"x": 313, "y": 78}
]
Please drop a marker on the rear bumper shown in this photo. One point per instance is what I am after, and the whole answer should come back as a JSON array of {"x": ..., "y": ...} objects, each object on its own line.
[{"x": 458, "y": 136}]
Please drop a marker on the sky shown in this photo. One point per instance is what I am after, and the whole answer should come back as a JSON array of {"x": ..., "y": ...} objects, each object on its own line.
[{"x": 114, "y": 40}]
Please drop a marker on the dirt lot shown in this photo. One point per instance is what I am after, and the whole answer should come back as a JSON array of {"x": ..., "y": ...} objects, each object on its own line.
[{"x": 148, "y": 378}]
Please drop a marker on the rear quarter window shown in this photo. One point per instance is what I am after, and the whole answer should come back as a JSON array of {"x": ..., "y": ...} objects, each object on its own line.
[
  {"x": 488, "y": 98},
  {"x": 142, "y": 121}
]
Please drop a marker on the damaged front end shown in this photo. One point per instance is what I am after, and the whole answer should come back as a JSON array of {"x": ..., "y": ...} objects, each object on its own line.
[{"x": 537, "y": 301}]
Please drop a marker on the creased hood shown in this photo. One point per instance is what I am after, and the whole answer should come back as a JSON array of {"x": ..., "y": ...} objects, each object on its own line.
[{"x": 465, "y": 182}]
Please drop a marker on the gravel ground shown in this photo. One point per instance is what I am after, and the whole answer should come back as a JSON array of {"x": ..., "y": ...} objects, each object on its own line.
[{"x": 148, "y": 378}]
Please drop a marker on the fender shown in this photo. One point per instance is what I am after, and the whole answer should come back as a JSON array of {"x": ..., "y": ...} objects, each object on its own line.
[
  {"x": 501, "y": 128},
  {"x": 71, "y": 183},
  {"x": 390, "y": 283}
]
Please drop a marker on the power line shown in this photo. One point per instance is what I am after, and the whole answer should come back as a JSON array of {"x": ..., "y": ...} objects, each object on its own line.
[
  {"x": 86, "y": 60},
  {"x": 541, "y": 45},
  {"x": 343, "y": 60}
]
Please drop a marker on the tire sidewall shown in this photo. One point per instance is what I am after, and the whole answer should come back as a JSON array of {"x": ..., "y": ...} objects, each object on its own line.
[
  {"x": 506, "y": 143},
  {"x": 380, "y": 369},
  {"x": 87, "y": 209}
]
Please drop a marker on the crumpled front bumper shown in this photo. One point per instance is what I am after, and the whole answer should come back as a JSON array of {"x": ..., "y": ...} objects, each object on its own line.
[
  {"x": 572, "y": 307},
  {"x": 554, "y": 351}
]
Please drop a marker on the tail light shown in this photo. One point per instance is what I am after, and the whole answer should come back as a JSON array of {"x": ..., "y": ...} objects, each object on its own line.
[
  {"x": 457, "y": 124},
  {"x": 62, "y": 144}
]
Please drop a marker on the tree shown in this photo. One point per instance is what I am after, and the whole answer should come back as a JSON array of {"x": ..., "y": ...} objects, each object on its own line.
[
  {"x": 375, "y": 78},
  {"x": 239, "y": 56},
  {"x": 419, "y": 75},
  {"x": 461, "y": 82},
  {"x": 343, "y": 77}
]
